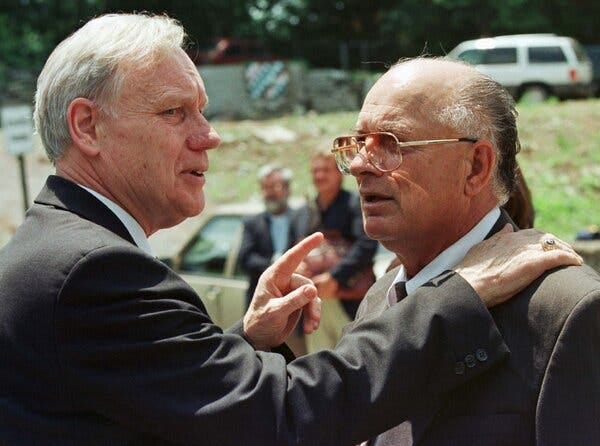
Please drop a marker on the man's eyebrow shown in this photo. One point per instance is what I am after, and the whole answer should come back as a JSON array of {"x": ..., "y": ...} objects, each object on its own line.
[
  {"x": 167, "y": 97},
  {"x": 386, "y": 126}
]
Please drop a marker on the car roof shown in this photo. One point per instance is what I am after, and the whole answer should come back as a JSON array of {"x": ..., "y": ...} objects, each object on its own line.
[{"x": 513, "y": 39}]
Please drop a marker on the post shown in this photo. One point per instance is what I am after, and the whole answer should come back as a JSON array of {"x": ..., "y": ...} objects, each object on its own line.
[
  {"x": 17, "y": 127},
  {"x": 21, "y": 159}
]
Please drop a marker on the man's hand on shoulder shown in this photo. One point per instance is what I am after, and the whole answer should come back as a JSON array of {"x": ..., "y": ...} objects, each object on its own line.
[
  {"x": 280, "y": 296},
  {"x": 505, "y": 264}
]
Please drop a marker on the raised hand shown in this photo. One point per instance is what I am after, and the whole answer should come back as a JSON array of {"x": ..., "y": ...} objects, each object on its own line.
[{"x": 280, "y": 297}]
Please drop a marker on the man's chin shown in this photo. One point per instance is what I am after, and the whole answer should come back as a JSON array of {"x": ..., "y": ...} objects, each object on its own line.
[
  {"x": 192, "y": 208},
  {"x": 375, "y": 229}
]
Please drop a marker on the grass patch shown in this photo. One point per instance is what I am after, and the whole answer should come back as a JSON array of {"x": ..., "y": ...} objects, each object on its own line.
[{"x": 560, "y": 158}]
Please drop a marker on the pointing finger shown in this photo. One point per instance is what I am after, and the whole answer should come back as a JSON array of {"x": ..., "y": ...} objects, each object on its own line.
[{"x": 289, "y": 261}]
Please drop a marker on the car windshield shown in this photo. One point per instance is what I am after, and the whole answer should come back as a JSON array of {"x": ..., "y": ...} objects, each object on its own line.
[{"x": 209, "y": 249}]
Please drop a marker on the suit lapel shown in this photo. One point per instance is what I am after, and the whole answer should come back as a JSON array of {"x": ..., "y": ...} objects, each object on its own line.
[
  {"x": 379, "y": 290},
  {"x": 64, "y": 194},
  {"x": 375, "y": 301}
]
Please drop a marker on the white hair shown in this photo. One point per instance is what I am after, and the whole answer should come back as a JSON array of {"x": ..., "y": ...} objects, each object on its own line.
[
  {"x": 92, "y": 63},
  {"x": 270, "y": 169}
]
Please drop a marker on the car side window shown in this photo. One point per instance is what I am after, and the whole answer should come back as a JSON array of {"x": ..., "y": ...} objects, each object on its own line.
[
  {"x": 473, "y": 57},
  {"x": 208, "y": 251},
  {"x": 491, "y": 56},
  {"x": 546, "y": 54},
  {"x": 500, "y": 56}
]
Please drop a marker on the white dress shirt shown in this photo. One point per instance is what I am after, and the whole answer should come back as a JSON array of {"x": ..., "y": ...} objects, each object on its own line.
[{"x": 448, "y": 258}]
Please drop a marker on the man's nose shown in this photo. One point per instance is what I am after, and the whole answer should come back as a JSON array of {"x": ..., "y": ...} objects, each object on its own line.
[
  {"x": 203, "y": 136},
  {"x": 361, "y": 164}
]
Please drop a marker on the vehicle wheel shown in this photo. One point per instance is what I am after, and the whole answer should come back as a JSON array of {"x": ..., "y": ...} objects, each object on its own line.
[{"x": 534, "y": 94}]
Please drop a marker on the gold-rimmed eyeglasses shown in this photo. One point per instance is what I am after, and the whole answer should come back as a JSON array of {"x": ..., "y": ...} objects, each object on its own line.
[{"x": 383, "y": 149}]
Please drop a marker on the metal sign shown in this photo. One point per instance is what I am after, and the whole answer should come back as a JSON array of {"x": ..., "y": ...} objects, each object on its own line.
[
  {"x": 267, "y": 80},
  {"x": 17, "y": 127}
]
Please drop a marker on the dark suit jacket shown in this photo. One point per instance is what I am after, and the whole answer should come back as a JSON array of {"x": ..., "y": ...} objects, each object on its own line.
[
  {"x": 257, "y": 247},
  {"x": 342, "y": 217},
  {"x": 101, "y": 344},
  {"x": 548, "y": 393}
]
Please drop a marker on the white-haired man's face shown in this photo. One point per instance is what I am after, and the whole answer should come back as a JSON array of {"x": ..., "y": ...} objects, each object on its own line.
[{"x": 154, "y": 150}]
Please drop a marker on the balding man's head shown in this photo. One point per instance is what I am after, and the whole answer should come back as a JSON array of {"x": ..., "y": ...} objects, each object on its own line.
[
  {"x": 455, "y": 130},
  {"x": 457, "y": 96}
]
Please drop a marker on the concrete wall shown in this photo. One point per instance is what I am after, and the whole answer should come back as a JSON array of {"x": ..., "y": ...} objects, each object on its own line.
[{"x": 245, "y": 91}]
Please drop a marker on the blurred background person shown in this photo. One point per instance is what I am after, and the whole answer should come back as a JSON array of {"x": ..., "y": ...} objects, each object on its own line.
[
  {"x": 342, "y": 268},
  {"x": 269, "y": 233}
]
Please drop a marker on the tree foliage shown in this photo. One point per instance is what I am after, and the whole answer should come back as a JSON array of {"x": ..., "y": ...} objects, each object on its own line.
[{"x": 320, "y": 32}]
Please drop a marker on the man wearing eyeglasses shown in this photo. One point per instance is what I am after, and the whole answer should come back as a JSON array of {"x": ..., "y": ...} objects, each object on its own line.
[{"x": 434, "y": 158}]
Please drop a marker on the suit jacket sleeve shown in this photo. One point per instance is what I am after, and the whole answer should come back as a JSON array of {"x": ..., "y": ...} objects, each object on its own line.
[
  {"x": 141, "y": 350},
  {"x": 252, "y": 258},
  {"x": 568, "y": 411}
]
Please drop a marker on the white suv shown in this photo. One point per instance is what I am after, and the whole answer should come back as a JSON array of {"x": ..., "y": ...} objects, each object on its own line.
[{"x": 535, "y": 66}]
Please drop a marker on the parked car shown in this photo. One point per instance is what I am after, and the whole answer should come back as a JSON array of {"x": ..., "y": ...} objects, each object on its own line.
[
  {"x": 535, "y": 66},
  {"x": 204, "y": 251}
]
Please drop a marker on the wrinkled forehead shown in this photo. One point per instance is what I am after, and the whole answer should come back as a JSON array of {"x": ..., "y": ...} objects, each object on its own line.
[
  {"x": 173, "y": 75},
  {"x": 407, "y": 95}
]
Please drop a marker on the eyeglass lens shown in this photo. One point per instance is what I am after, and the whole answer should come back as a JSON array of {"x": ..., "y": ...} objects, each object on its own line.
[{"x": 382, "y": 150}]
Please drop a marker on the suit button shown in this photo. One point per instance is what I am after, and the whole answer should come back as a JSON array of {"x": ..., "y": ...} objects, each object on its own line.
[
  {"x": 470, "y": 361},
  {"x": 481, "y": 355},
  {"x": 459, "y": 368}
]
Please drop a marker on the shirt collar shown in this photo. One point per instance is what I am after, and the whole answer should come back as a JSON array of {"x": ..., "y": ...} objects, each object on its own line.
[
  {"x": 135, "y": 230},
  {"x": 448, "y": 258}
]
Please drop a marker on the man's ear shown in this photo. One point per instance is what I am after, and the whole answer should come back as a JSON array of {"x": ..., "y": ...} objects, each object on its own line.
[
  {"x": 82, "y": 118},
  {"x": 483, "y": 159}
]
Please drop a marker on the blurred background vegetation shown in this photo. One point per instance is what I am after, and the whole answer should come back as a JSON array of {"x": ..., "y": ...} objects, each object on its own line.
[
  {"x": 561, "y": 140},
  {"x": 348, "y": 34},
  {"x": 560, "y": 158}
]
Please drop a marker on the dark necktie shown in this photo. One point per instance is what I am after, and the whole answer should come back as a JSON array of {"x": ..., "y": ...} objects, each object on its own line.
[{"x": 400, "y": 288}]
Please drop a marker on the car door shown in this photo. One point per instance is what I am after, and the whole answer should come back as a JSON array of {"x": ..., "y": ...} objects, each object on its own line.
[
  {"x": 208, "y": 263},
  {"x": 549, "y": 64}
]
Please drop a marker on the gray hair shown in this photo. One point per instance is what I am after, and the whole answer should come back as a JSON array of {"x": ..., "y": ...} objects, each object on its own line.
[
  {"x": 92, "y": 63},
  {"x": 481, "y": 108},
  {"x": 270, "y": 169}
]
